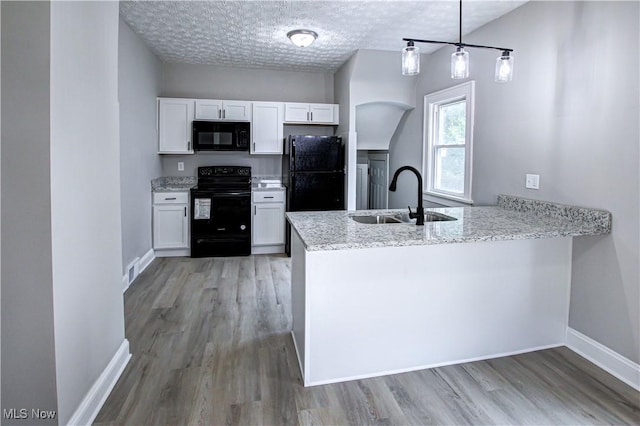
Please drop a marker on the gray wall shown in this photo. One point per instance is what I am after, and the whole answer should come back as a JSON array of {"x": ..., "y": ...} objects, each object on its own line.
[
  {"x": 139, "y": 83},
  {"x": 62, "y": 307},
  {"x": 215, "y": 82},
  {"x": 85, "y": 196},
  {"x": 28, "y": 357},
  {"x": 571, "y": 116}
]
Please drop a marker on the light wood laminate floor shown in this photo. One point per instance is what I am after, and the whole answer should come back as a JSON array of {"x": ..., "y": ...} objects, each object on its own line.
[{"x": 211, "y": 346}]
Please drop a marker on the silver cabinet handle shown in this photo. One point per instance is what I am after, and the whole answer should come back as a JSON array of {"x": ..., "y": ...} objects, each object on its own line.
[
  {"x": 255, "y": 210},
  {"x": 224, "y": 113},
  {"x": 188, "y": 145},
  {"x": 268, "y": 197},
  {"x": 185, "y": 211},
  {"x": 170, "y": 198},
  {"x": 219, "y": 113},
  {"x": 311, "y": 115}
]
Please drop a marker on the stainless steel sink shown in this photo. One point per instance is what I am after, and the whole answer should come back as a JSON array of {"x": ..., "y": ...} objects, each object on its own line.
[
  {"x": 428, "y": 217},
  {"x": 401, "y": 218},
  {"x": 437, "y": 217},
  {"x": 375, "y": 220}
]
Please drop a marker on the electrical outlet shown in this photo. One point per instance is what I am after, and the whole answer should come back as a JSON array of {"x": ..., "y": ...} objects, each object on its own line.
[
  {"x": 532, "y": 182},
  {"x": 180, "y": 166}
]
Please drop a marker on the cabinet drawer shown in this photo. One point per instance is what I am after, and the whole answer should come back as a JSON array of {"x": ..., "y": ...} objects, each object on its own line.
[
  {"x": 268, "y": 197},
  {"x": 170, "y": 197}
]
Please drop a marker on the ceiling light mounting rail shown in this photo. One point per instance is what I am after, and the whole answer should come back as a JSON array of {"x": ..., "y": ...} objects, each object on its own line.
[
  {"x": 459, "y": 58},
  {"x": 453, "y": 43}
]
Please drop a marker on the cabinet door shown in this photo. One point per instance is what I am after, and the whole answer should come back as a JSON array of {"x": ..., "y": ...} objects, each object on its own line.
[
  {"x": 296, "y": 112},
  {"x": 268, "y": 224},
  {"x": 174, "y": 126},
  {"x": 267, "y": 128},
  {"x": 170, "y": 226},
  {"x": 321, "y": 113},
  {"x": 236, "y": 110},
  {"x": 208, "y": 109}
]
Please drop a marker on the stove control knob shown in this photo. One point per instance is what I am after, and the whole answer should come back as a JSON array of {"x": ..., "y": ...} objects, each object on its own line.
[{"x": 243, "y": 227}]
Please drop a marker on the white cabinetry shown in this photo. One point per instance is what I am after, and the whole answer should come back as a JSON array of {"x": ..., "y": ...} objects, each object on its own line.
[
  {"x": 174, "y": 126},
  {"x": 267, "y": 228},
  {"x": 214, "y": 109},
  {"x": 311, "y": 113},
  {"x": 171, "y": 223},
  {"x": 267, "y": 128}
]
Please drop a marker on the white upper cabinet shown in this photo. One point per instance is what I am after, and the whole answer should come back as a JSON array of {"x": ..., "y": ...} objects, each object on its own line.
[
  {"x": 214, "y": 109},
  {"x": 295, "y": 112},
  {"x": 323, "y": 113},
  {"x": 266, "y": 128},
  {"x": 174, "y": 125},
  {"x": 208, "y": 109}
]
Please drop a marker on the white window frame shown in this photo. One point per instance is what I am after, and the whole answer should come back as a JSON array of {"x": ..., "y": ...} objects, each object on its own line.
[{"x": 432, "y": 101}]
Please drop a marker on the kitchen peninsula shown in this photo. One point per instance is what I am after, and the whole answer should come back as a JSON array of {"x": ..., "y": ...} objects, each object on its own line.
[{"x": 376, "y": 299}]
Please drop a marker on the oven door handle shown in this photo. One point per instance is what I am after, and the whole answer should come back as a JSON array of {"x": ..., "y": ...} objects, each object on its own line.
[{"x": 231, "y": 194}]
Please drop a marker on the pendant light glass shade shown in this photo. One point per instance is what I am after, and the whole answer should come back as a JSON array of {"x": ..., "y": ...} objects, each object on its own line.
[
  {"x": 504, "y": 68},
  {"x": 460, "y": 64},
  {"x": 410, "y": 60}
]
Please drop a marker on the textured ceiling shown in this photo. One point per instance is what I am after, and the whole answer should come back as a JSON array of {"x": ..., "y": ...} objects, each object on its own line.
[{"x": 252, "y": 34}]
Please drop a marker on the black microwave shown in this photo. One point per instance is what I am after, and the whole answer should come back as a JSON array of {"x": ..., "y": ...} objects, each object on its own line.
[{"x": 221, "y": 135}]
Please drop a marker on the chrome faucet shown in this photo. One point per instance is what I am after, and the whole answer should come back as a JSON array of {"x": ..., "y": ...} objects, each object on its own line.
[{"x": 419, "y": 214}]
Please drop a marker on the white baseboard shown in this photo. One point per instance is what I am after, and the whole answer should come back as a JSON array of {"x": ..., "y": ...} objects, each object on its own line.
[
  {"x": 172, "y": 252},
  {"x": 146, "y": 260},
  {"x": 93, "y": 401},
  {"x": 610, "y": 361},
  {"x": 267, "y": 249},
  {"x": 138, "y": 265},
  {"x": 125, "y": 282}
]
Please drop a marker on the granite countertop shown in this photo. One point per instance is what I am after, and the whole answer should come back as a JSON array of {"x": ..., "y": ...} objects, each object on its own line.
[
  {"x": 185, "y": 183},
  {"x": 513, "y": 218},
  {"x": 173, "y": 183},
  {"x": 260, "y": 188}
]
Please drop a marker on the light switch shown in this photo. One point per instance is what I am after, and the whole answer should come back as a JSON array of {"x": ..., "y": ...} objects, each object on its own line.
[
  {"x": 181, "y": 166},
  {"x": 532, "y": 181}
]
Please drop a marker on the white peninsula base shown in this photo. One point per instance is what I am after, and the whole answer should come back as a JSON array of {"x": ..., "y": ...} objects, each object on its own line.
[{"x": 375, "y": 311}]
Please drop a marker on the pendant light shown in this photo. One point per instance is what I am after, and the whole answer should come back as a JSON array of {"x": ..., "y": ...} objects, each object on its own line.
[
  {"x": 504, "y": 68},
  {"x": 460, "y": 64},
  {"x": 459, "y": 58},
  {"x": 410, "y": 60}
]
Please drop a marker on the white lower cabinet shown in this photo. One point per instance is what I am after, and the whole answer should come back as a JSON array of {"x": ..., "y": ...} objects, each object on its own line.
[
  {"x": 171, "y": 223},
  {"x": 267, "y": 228}
]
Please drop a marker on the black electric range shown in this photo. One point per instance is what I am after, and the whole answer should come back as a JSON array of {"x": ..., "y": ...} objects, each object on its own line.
[{"x": 221, "y": 212}]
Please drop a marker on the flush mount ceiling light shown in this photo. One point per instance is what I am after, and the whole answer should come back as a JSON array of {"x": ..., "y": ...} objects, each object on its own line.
[
  {"x": 459, "y": 58},
  {"x": 302, "y": 38}
]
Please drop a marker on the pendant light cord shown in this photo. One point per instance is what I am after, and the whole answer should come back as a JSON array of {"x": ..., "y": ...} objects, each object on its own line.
[{"x": 460, "y": 26}]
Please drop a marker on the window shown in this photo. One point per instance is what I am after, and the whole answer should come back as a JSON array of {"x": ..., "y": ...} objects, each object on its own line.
[{"x": 447, "y": 145}]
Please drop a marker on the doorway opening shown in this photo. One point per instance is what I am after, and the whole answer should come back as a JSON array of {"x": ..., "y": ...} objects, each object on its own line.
[{"x": 372, "y": 180}]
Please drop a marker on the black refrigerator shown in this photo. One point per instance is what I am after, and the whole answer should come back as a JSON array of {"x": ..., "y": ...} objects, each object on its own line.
[{"x": 313, "y": 172}]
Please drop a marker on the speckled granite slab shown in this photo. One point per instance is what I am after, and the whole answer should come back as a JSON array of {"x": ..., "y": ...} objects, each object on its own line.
[
  {"x": 173, "y": 183},
  {"x": 257, "y": 186},
  {"x": 335, "y": 230},
  {"x": 601, "y": 219}
]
